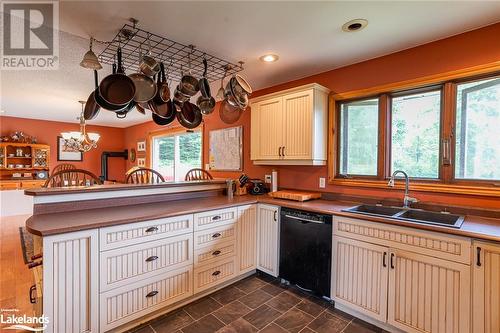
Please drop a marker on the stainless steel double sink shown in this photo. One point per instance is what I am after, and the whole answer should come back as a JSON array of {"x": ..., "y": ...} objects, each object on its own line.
[{"x": 409, "y": 215}]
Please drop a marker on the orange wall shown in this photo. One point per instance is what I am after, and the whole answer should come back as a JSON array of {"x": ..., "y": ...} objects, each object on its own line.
[
  {"x": 46, "y": 132},
  {"x": 211, "y": 122}
]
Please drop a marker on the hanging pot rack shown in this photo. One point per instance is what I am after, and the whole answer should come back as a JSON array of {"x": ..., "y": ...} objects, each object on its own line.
[{"x": 177, "y": 57}]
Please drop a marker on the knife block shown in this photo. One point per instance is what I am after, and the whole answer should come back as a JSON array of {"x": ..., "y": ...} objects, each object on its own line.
[{"x": 240, "y": 190}]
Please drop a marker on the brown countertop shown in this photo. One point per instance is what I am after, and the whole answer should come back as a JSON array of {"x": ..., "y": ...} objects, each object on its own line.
[
  {"x": 57, "y": 223},
  {"x": 116, "y": 187}
]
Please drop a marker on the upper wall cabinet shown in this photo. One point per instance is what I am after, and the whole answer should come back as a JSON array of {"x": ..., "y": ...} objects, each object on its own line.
[{"x": 290, "y": 127}]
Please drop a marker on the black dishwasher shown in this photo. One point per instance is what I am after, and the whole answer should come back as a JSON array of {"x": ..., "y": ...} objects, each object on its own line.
[{"x": 306, "y": 250}]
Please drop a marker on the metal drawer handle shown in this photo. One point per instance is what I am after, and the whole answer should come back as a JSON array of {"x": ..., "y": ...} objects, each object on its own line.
[
  {"x": 384, "y": 263},
  {"x": 32, "y": 294},
  {"x": 152, "y": 258},
  {"x": 216, "y": 273},
  {"x": 392, "y": 260},
  {"x": 478, "y": 261},
  {"x": 216, "y": 253},
  {"x": 152, "y": 229},
  {"x": 152, "y": 293},
  {"x": 216, "y": 217},
  {"x": 217, "y": 234}
]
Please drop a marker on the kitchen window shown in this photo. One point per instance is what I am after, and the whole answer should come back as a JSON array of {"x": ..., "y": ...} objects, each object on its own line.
[
  {"x": 359, "y": 138},
  {"x": 174, "y": 154},
  {"x": 478, "y": 130},
  {"x": 444, "y": 134},
  {"x": 415, "y": 122}
]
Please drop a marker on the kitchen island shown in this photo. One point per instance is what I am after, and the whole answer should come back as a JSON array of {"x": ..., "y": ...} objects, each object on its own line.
[{"x": 116, "y": 256}]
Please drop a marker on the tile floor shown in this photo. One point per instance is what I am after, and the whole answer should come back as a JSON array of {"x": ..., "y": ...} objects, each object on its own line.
[{"x": 257, "y": 304}]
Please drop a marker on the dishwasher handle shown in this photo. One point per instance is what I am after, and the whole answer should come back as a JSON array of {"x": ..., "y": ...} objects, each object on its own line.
[{"x": 303, "y": 220}]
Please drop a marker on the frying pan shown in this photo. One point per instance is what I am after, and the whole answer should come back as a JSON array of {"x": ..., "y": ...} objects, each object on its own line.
[
  {"x": 157, "y": 105},
  {"x": 91, "y": 107},
  {"x": 170, "y": 116},
  {"x": 117, "y": 89},
  {"x": 190, "y": 115},
  {"x": 204, "y": 84},
  {"x": 228, "y": 113},
  {"x": 163, "y": 92},
  {"x": 101, "y": 101}
]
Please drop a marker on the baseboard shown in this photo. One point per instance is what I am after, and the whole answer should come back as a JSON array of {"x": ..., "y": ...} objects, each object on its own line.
[{"x": 370, "y": 320}]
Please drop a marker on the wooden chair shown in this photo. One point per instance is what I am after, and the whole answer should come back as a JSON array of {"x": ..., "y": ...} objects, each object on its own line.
[
  {"x": 144, "y": 176},
  {"x": 63, "y": 166},
  {"x": 72, "y": 177},
  {"x": 198, "y": 174}
]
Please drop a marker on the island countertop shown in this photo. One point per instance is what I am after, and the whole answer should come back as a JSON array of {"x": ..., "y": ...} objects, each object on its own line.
[{"x": 62, "y": 222}]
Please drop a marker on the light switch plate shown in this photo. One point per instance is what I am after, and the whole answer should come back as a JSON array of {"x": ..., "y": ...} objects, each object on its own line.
[
  {"x": 321, "y": 182},
  {"x": 268, "y": 179},
  {"x": 207, "y": 166}
]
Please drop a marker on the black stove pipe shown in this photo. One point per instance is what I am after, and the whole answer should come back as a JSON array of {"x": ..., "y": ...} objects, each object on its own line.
[{"x": 104, "y": 161}]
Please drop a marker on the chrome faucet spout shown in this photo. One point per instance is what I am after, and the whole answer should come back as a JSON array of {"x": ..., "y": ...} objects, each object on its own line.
[{"x": 407, "y": 199}]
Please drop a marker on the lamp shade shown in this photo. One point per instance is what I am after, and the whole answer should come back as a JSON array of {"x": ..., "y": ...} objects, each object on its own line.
[{"x": 90, "y": 61}]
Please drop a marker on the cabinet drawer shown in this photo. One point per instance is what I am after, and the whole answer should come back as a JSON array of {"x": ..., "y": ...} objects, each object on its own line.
[
  {"x": 214, "y": 236},
  {"x": 133, "y": 301},
  {"x": 214, "y": 253},
  {"x": 140, "y": 232},
  {"x": 430, "y": 243},
  {"x": 132, "y": 263},
  {"x": 214, "y": 218},
  {"x": 211, "y": 275}
]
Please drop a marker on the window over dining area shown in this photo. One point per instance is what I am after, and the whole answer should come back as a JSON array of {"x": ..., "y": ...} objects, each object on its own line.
[
  {"x": 444, "y": 135},
  {"x": 174, "y": 154}
]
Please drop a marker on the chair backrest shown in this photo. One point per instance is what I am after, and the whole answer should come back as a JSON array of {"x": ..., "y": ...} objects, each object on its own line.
[
  {"x": 63, "y": 166},
  {"x": 72, "y": 177},
  {"x": 198, "y": 174},
  {"x": 144, "y": 176}
]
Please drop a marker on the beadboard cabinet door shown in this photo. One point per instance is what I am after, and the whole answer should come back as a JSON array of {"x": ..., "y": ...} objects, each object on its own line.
[
  {"x": 268, "y": 239},
  {"x": 267, "y": 129},
  {"x": 486, "y": 292},
  {"x": 247, "y": 238},
  {"x": 71, "y": 282},
  {"x": 298, "y": 125},
  {"x": 428, "y": 294},
  {"x": 360, "y": 276}
]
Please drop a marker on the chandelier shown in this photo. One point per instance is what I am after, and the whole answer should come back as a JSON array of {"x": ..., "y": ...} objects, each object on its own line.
[{"x": 80, "y": 141}]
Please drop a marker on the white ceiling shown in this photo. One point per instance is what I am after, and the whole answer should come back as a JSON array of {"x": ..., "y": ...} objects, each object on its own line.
[{"x": 306, "y": 35}]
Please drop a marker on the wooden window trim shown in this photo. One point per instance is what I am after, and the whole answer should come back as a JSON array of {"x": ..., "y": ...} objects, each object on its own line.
[{"x": 446, "y": 183}]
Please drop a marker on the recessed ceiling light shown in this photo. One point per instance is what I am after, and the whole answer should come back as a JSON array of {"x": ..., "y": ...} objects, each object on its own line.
[
  {"x": 269, "y": 58},
  {"x": 355, "y": 25}
]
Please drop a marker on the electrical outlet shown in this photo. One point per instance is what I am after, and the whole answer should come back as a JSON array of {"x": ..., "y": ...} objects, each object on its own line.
[
  {"x": 207, "y": 166},
  {"x": 268, "y": 179},
  {"x": 321, "y": 182}
]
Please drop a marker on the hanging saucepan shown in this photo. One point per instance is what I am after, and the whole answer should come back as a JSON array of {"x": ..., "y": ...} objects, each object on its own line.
[
  {"x": 189, "y": 85},
  {"x": 163, "y": 92},
  {"x": 157, "y": 105},
  {"x": 123, "y": 113},
  {"x": 145, "y": 86},
  {"x": 179, "y": 97},
  {"x": 242, "y": 84},
  {"x": 149, "y": 65},
  {"x": 205, "y": 101},
  {"x": 189, "y": 116},
  {"x": 91, "y": 107},
  {"x": 101, "y": 101},
  {"x": 235, "y": 94},
  {"x": 228, "y": 113},
  {"x": 117, "y": 89},
  {"x": 162, "y": 121}
]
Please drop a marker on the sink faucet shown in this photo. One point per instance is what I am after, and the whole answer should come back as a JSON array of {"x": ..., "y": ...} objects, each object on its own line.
[{"x": 407, "y": 201}]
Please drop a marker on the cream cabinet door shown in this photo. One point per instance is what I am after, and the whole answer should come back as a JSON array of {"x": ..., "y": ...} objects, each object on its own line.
[
  {"x": 268, "y": 239},
  {"x": 428, "y": 294},
  {"x": 360, "y": 276},
  {"x": 267, "y": 129},
  {"x": 298, "y": 111},
  {"x": 247, "y": 238},
  {"x": 486, "y": 292}
]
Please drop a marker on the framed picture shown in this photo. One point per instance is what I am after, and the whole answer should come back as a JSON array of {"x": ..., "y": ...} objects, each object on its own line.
[
  {"x": 67, "y": 154},
  {"x": 141, "y": 145},
  {"x": 141, "y": 162}
]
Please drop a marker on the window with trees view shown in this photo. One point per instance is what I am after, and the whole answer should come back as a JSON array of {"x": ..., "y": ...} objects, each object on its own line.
[
  {"x": 359, "y": 137},
  {"x": 443, "y": 135},
  {"x": 478, "y": 130},
  {"x": 415, "y": 134},
  {"x": 175, "y": 154}
]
